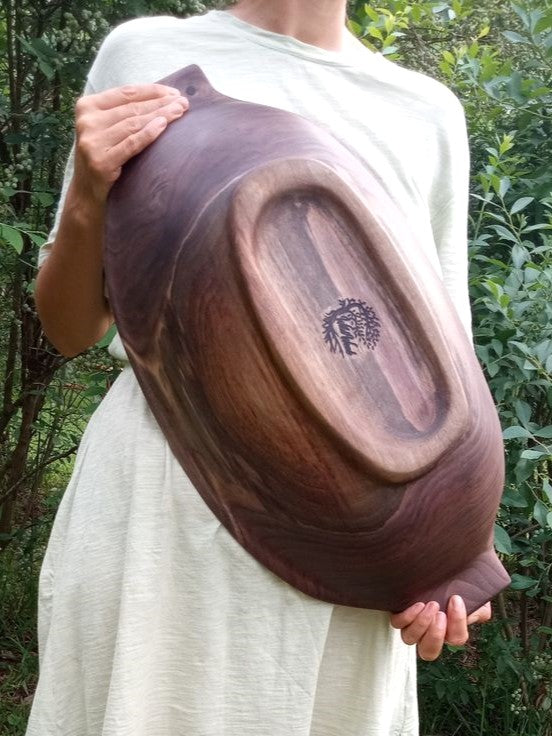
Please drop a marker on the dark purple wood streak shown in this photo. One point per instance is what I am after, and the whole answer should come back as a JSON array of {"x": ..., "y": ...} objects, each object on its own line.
[{"x": 368, "y": 476}]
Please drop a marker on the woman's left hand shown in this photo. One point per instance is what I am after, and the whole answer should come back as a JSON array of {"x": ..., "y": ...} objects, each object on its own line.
[{"x": 430, "y": 628}]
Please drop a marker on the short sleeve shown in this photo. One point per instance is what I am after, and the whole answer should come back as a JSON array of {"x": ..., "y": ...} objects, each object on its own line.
[
  {"x": 449, "y": 210},
  {"x": 46, "y": 247}
]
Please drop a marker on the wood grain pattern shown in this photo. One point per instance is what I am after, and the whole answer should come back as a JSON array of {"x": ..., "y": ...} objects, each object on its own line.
[{"x": 303, "y": 359}]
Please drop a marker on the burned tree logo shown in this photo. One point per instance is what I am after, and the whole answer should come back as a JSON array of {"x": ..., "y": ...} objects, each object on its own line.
[{"x": 352, "y": 325}]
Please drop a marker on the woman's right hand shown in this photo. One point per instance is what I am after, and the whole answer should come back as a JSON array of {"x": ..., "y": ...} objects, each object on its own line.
[{"x": 112, "y": 127}]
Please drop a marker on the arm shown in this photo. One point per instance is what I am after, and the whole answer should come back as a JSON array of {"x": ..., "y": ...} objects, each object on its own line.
[
  {"x": 111, "y": 127},
  {"x": 69, "y": 287}
]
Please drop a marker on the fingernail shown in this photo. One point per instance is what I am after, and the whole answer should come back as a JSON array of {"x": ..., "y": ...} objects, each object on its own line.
[
  {"x": 418, "y": 607},
  {"x": 174, "y": 91},
  {"x": 457, "y": 602},
  {"x": 441, "y": 620}
]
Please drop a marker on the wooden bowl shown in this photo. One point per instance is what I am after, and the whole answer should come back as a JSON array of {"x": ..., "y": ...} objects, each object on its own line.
[{"x": 303, "y": 359}]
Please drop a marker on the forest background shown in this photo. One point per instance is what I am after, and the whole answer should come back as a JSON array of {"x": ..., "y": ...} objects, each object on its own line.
[{"x": 497, "y": 57}]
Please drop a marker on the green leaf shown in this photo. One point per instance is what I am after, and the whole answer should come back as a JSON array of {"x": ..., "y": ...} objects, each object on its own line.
[
  {"x": 540, "y": 92},
  {"x": 535, "y": 16},
  {"x": 511, "y": 433},
  {"x": 514, "y": 37},
  {"x": 375, "y": 33},
  {"x": 549, "y": 519},
  {"x": 522, "y": 582},
  {"x": 515, "y": 88},
  {"x": 523, "y": 470},
  {"x": 504, "y": 233},
  {"x": 494, "y": 288},
  {"x": 514, "y": 501},
  {"x": 532, "y": 228},
  {"x": 520, "y": 204},
  {"x": 506, "y": 143},
  {"x": 545, "y": 432},
  {"x": 356, "y": 28},
  {"x": 504, "y": 186},
  {"x": 547, "y": 489},
  {"x": 12, "y": 236},
  {"x": 37, "y": 238},
  {"x": 540, "y": 512},
  {"x": 533, "y": 454},
  {"x": 544, "y": 24},
  {"x": 46, "y": 69},
  {"x": 543, "y": 350},
  {"x": 371, "y": 13},
  {"x": 523, "y": 411},
  {"x": 43, "y": 48},
  {"x": 520, "y": 255},
  {"x": 45, "y": 198},
  {"x": 502, "y": 540}
]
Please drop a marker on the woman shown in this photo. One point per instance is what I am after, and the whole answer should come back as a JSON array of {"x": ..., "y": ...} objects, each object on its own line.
[{"x": 153, "y": 621}]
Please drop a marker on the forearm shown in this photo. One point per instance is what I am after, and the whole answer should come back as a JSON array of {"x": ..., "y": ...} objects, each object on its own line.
[
  {"x": 69, "y": 291},
  {"x": 111, "y": 127}
]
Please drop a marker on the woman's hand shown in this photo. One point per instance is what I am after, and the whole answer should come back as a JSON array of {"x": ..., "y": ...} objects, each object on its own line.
[
  {"x": 429, "y": 628},
  {"x": 114, "y": 125}
]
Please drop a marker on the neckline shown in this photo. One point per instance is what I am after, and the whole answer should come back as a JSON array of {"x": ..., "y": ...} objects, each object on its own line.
[{"x": 354, "y": 55}]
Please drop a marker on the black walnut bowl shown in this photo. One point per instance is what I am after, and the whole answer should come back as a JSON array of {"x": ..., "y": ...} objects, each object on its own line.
[{"x": 303, "y": 359}]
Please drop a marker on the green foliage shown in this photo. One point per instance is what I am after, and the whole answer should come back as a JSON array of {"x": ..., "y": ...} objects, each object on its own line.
[
  {"x": 402, "y": 29},
  {"x": 486, "y": 691}
]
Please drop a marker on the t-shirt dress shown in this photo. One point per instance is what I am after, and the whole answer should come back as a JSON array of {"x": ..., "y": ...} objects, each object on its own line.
[{"x": 152, "y": 619}]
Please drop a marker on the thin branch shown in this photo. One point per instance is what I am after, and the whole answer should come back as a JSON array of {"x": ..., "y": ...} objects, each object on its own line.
[
  {"x": 527, "y": 529},
  {"x": 20, "y": 481}
]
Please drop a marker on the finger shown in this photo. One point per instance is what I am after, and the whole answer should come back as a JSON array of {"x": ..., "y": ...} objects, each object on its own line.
[
  {"x": 481, "y": 615},
  {"x": 416, "y": 630},
  {"x": 406, "y": 617},
  {"x": 115, "y": 96},
  {"x": 431, "y": 644},
  {"x": 134, "y": 144},
  {"x": 108, "y": 118},
  {"x": 117, "y": 133},
  {"x": 457, "y": 625}
]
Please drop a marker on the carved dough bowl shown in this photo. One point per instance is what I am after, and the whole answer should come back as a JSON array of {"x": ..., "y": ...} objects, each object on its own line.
[{"x": 303, "y": 359}]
